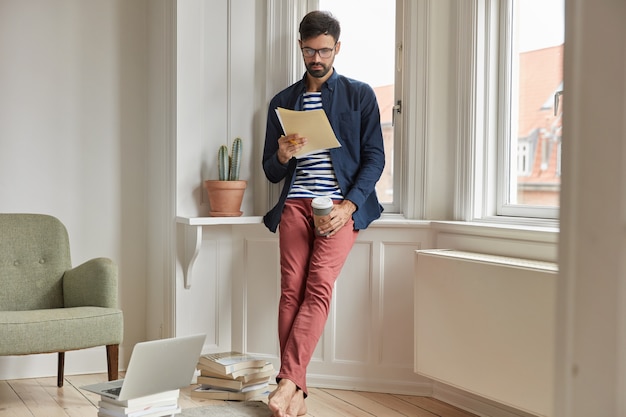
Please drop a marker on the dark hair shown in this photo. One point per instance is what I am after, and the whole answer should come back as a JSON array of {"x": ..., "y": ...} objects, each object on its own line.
[{"x": 318, "y": 23}]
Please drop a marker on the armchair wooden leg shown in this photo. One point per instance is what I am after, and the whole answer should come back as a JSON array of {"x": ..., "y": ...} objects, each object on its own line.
[
  {"x": 60, "y": 367},
  {"x": 112, "y": 361}
]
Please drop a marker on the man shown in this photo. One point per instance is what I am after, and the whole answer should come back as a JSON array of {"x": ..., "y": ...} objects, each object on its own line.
[{"x": 312, "y": 259}]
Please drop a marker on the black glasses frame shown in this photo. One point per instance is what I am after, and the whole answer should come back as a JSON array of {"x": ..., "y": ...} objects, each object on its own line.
[{"x": 323, "y": 52}]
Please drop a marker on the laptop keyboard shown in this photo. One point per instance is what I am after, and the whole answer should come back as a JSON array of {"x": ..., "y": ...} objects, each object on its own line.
[{"x": 113, "y": 391}]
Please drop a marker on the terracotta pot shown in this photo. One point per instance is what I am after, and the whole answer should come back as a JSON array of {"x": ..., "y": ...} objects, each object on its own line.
[{"x": 225, "y": 197}]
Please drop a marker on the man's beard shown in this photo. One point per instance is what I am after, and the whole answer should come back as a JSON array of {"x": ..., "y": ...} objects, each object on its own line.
[{"x": 317, "y": 73}]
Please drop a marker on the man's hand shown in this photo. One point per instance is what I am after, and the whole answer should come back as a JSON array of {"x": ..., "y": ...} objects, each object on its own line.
[
  {"x": 288, "y": 146},
  {"x": 339, "y": 216}
]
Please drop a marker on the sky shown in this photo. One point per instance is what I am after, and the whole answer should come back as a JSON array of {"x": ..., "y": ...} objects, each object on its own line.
[
  {"x": 367, "y": 39},
  {"x": 541, "y": 24}
]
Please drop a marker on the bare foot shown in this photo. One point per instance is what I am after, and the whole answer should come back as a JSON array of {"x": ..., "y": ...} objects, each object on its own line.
[
  {"x": 297, "y": 406},
  {"x": 280, "y": 398}
]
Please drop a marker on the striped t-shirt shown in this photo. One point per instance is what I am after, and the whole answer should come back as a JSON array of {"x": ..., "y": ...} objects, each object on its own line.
[{"x": 315, "y": 175}]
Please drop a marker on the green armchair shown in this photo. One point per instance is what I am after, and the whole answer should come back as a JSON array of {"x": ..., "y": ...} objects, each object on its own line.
[{"x": 46, "y": 305}]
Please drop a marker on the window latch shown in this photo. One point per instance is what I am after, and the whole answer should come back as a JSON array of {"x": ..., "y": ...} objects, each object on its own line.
[{"x": 395, "y": 109}]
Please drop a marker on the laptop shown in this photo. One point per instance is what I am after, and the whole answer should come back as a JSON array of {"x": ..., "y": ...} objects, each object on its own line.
[{"x": 155, "y": 366}]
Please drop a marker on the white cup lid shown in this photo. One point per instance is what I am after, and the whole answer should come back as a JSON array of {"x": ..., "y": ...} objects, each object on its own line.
[{"x": 321, "y": 202}]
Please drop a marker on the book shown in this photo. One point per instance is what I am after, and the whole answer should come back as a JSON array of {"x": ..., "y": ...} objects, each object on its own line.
[
  {"x": 228, "y": 362},
  {"x": 145, "y": 400},
  {"x": 156, "y": 412},
  {"x": 230, "y": 384},
  {"x": 246, "y": 388},
  {"x": 121, "y": 410},
  {"x": 245, "y": 375},
  {"x": 217, "y": 394},
  {"x": 311, "y": 124}
]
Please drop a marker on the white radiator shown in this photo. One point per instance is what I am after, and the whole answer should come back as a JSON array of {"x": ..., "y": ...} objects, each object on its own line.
[{"x": 486, "y": 324}]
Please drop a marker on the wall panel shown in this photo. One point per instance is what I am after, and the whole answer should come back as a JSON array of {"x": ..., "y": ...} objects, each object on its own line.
[
  {"x": 350, "y": 321},
  {"x": 261, "y": 293},
  {"x": 396, "y": 308}
]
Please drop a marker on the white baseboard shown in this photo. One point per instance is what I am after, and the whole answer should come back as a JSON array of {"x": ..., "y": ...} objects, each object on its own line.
[
  {"x": 370, "y": 385},
  {"x": 473, "y": 403}
]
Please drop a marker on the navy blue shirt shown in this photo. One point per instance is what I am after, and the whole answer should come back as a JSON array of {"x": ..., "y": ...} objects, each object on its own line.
[{"x": 352, "y": 110}]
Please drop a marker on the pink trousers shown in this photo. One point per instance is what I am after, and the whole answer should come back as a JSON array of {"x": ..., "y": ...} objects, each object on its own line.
[{"x": 309, "y": 266}]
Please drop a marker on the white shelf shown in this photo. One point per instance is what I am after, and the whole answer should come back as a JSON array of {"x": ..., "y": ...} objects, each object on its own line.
[
  {"x": 215, "y": 221},
  {"x": 192, "y": 238}
]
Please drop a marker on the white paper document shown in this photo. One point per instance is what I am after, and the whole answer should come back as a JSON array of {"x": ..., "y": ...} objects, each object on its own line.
[{"x": 311, "y": 124}]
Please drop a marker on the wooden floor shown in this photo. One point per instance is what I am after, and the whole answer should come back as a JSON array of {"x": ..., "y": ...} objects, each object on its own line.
[{"x": 41, "y": 398}]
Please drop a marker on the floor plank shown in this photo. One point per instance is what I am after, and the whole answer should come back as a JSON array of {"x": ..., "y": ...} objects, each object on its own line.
[
  {"x": 10, "y": 403},
  {"x": 405, "y": 408},
  {"x": 323, "y": 403},
  {"x": 72, "y": 401},
  {"x": 379, "y": 404},
  {"x": 37, "y": 399},
  {"x": 435, "y": 406}
]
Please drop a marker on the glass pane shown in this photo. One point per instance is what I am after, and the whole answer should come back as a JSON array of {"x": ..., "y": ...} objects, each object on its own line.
[
  {"x": 368, "y": 55},
  {"x": 537, "y": 82}
]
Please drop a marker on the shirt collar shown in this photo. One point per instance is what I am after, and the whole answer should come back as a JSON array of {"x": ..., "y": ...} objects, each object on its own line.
[{"x": 331, "y": 82}]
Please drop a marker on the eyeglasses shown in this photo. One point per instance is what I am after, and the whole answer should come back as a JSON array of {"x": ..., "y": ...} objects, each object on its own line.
[{"x": 323, "y": 53}]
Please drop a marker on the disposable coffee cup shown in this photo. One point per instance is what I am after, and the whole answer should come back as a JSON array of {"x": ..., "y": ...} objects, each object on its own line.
[{"x": 321, "y": 209}]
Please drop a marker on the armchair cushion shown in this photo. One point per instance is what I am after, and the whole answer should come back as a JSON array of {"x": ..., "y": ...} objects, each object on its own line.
[{"x": 58, "y": 330}]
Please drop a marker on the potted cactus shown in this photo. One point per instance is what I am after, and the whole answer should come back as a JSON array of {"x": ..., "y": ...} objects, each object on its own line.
[{"x": 226, "y": 193}]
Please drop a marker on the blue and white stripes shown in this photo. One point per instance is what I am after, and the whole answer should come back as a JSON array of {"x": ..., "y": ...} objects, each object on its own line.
[{"x": 315, "y": 175}]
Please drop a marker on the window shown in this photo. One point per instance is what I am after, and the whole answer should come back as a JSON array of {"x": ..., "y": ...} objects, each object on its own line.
[
  {"x": 531, "y": 81},
  {"x": 368, "y": 55},
  {"x": 479, "y": 79}
]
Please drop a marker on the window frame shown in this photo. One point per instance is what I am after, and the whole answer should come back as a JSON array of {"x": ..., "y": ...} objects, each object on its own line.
[
  {"x": 484, "y": 28},
  {"x": 506, "y": 141}
]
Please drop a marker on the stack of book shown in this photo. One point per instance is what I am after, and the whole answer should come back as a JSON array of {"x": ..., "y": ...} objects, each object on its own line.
[
  {"x": 232, "y": 376},
  {"x": 156, "y": 405}
]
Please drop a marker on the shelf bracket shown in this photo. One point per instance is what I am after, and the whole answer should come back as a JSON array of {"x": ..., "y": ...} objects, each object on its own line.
[
  {"x": 192, "y": 236},
  {"x": 189, "y": 238}
]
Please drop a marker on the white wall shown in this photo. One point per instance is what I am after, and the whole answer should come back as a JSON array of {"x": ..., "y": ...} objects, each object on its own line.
[
  {"x": 218, "y": 84},
  {"x": 73, "y": 140}
]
